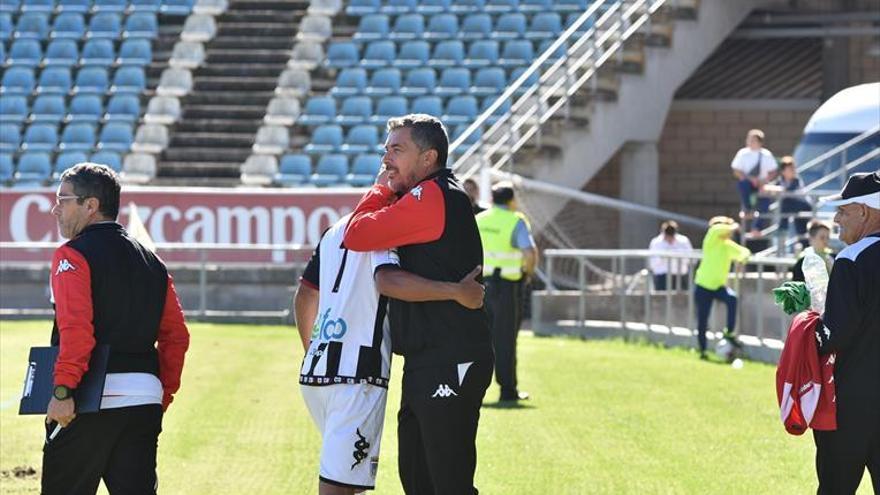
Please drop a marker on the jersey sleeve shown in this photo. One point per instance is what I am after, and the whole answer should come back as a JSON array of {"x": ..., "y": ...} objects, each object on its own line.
[
  {"x": 172, "y": 344},
  {"x": 387, "y": 257},
  {"x": 379, "y": 222},
  {"x": 522, "y": 238},
  {"x": 311, "y": 276},
  {"x": 844, "y": 311},
  {"x": 72, "y": 290}
]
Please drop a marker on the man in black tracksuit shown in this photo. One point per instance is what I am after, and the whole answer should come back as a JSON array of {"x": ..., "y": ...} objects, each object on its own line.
[
  {"x": 447, "y": 347},
  {"x": 852, "y": 330}
]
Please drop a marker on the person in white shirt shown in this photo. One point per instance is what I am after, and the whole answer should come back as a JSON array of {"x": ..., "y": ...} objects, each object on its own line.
[
  {"x": 670, "y": 240},
  {"x": 753, "y": 166}
]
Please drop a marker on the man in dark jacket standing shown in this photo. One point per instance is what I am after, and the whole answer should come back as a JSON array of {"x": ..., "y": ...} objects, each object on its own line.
[
  {"x": 108, "y": 290},
  {"x": 852, "y": 330},
  {"x": 419, "y": 207}
]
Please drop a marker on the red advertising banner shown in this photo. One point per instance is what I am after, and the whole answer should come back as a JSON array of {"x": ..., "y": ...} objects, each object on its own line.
[{"x": 240, "y": 216}]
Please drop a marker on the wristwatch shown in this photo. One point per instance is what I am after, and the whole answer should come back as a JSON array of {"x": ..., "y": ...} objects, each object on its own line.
[{"x": 62, "y": 392}]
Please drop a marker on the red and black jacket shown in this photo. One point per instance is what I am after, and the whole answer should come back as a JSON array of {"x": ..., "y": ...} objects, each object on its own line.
[
  {"x": 108, "y": 289},
  {"x": 437, "y": 238}
]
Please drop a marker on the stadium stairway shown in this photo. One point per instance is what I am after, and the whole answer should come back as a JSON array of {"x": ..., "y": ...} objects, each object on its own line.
[{"x": 230, "y": 92}]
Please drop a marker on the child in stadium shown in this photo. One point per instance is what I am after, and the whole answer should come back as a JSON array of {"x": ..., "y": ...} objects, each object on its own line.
[{"x": 719, "y": 250}]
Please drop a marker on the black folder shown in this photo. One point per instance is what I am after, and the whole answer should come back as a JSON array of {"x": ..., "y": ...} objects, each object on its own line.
[{"x": 39, "y": 381}]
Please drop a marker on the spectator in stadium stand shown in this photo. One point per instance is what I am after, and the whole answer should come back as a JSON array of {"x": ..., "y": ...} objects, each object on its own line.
[
  {"x": 852, "y": 330},
  {"x": 754, "y": 167},
  {"x": 670, "y": 240},
  {"x": 473, "y": 192},
  {"x": 108, "y": 289},
  {"x": 509, "y": 260},
  {"x": 418, "y": 206},
  {"x": 789, "y": 182},
  {"x": 818, "y": 233},
  {"x": 347, "y": 364},
  {"x": 710, "y": 282}
]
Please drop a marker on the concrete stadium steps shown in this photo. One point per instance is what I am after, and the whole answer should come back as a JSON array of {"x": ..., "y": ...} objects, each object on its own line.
[
  {"x": 170, "y": 28},
  {"x": 230, "y": 92}
]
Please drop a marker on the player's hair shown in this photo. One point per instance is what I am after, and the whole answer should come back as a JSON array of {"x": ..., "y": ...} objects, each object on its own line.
[
  {"x": 757, "y": 133},
  {"x": 815, "y": 226},
  {"x": 785, "y": 162},
  {"x": 426, "y": 131},
  {"x": 502, "y": 193},
  {"x": 669, "y": 227},
  {"x": 93, "y": 180}
]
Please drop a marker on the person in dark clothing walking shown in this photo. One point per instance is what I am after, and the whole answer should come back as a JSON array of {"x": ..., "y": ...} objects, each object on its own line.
[
  {"x": 108, "y": 290},
  {"x": 851, "y": 330},
  {"x": 509, "y": 261},
  {"x": 419, "y": 207}
]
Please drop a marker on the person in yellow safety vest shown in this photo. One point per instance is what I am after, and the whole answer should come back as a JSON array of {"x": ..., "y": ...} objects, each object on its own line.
[{"x": 509, "y": 260}]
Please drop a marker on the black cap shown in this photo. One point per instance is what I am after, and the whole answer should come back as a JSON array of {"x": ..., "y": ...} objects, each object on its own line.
[{"x": 860, "y": 188}]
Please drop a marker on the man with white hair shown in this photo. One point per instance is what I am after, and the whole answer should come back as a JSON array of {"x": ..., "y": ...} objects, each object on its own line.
[{"x": 852, "y": 331}]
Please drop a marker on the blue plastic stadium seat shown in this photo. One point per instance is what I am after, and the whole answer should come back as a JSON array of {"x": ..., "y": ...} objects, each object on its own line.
[
  {"x": 318, "y": 110},
  {"x": 361, "y": 139},
  {"x": 10, "y": 137},
  {"x": 372, "y": 27},
  {"x": 116, "y": 136},
  {"x": 129, "y": 79},
  {"x": 54, "y": 81},
  {"x": 530, "y": 81},
  {"x": 471, "y": 138},
  {"x": 151, "y": 6},
  {"x": 61, "y": 53},
  {"x": 453, "y": 82},
  {"x": 110, "y": 158},
  {"x": 501, "y": 110},
  {"x": 501, "y": 6},
  {"x": 350, "y": 82},
  {"x": 325, "y": 139},
  {"x": 429, "y": 7},
  {"x": 510, "y": 26},
  {"x": 583, "y": 28},
  {"x": 355, "y": 110},
  {"x": 91, "y": 80},
  {"x": 6, "y": 168},
  {"x": 413, "y": 54},
  {"x": 363, "y": 7},
  {"x": 388, "y": 107},
  {"x": 483, "y": 53},
  {"x": 419, "y": 82},
  {"x": 176, "y": 7},
  {"x": 13, "y": 109},
  {"x": 42, "y": 6},
  {"x": 32, "y": 25},
  {"x": 378, "y": 54},
  {"x": 535, "y": 6},
  {"x": 476, "y": 27},
  {"x": 123, "y": 108},
  {"x": 342, "y": 54},
  {"x": 516, "y": 53},
  {"x": 568, "y": 6},
  {"x": 398, "y": 7},
  {"x": 105, "y": 25},
  {"x": 10, "y": 6},
  {"x": 115, "y": 6},
  {"x": 76, "y": 6},
  {"x": 431, "y": 105},
  {"x": 467, "y": 6},
  {"x": 25, "y": 53},
  {"x": 40, "y": 137},
  {"x": 6, "y": 26},
  {"x": 364, "y": 169},
  {"x": 489, "y": 81},
  {"x": 460, "y": 110},
  {"x": 98, "y": 52},
  {"x": 449, "y": 53},
  {"x": 385, "y": 82},
  {"x": 442, "y": 27},
  {"x": 68, "y": 25},
  {"x": 331, "y": 170},
  {"x": 85, "y": 108},
  {"x": 135, "y": 52},
  {"x": 546, "y": 25},
  {"x": 78, "y": 136},
  {"x": 141, "y": 25},
  {"x": 556, "y": 55},
  {"x": 17, "y": 81},
  {"x": 33, "y": 167},
  {"x": 408, "y": 27},
  {"x": 294, "y": 170},
  {"x": 67, "y": 159},
  {"x": 48, "y": 109}
]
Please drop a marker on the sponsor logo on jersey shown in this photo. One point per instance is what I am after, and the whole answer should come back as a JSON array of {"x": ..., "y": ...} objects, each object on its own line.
[
  {"x": 443, "y": 391},
  {"x": 361, "y": 445},
  {"x": 327, "y": 329}
]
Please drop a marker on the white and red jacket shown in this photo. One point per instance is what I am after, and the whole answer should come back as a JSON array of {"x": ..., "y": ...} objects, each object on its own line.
[{"x": 804, "y": 383}]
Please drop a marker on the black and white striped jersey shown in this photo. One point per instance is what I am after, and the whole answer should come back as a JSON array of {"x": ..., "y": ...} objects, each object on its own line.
[{"x": 350, "y": 339}]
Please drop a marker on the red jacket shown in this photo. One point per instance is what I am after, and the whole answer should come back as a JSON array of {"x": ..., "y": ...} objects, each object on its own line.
[{"x": 804, "y": 384}]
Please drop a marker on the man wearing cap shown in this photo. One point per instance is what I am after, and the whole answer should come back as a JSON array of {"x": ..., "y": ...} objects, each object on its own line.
[{"x": 852, "y": 331}]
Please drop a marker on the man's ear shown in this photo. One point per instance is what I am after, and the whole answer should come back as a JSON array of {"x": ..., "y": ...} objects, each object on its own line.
[
  {"x": 93, "y": 205},
  {"x": 430, "y": 157}
]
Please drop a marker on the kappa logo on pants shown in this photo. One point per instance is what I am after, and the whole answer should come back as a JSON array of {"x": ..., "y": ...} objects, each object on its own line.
[{"x": 443, "y": 391}]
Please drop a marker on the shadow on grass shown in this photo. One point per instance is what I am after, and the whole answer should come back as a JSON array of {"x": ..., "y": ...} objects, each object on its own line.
[{"x": 508, "y": 404}]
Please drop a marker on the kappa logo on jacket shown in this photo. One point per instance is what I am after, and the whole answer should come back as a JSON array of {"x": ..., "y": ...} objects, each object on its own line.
[
  {"x": 63, "y": 266},
  {"x": 443, "y": 391},
  {"x": 417, "y": 192}
]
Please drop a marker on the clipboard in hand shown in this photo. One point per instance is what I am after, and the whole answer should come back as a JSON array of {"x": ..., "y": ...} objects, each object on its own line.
[{"x": 39, "y": 381}]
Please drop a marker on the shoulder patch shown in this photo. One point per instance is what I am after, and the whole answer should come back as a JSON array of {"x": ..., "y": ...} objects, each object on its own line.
[
  {"x": 853, "y": 251},
  {"x": 417, "y": 192},
  {"x": 63, "y": 266}
]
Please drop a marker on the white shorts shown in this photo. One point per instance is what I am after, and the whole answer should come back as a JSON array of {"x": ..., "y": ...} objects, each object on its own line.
[{"x": 350, "y": 419}]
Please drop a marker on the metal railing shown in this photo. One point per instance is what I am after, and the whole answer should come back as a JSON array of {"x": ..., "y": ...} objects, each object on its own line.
[{"x": 565, "y": 76}]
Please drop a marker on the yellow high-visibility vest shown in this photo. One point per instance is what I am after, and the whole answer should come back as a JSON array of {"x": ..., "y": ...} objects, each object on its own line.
[{"x": 496, "y": 231}]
